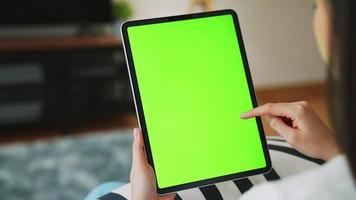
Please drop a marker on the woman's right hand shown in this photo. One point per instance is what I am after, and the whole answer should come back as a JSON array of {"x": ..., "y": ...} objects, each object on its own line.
[{"x": 298, "y": 124}]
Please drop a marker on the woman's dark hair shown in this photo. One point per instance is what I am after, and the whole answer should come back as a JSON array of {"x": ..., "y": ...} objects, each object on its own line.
[{"x": 342, "y": 76}]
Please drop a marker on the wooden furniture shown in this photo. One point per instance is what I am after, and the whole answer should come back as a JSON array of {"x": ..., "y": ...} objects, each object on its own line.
[
  {"x": 32, "y": 44},
  {"x": 52, "y": 80}
]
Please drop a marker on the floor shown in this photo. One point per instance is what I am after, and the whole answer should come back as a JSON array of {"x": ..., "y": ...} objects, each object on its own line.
[
  {"x": 64, "y": 168},
  {"x": 313, "y": 93}
]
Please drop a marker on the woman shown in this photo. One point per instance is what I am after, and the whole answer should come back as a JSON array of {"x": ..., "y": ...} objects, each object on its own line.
[{"x": 335, "y": 29}]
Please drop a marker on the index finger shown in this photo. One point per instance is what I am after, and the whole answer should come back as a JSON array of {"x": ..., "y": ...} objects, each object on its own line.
[{"x": 274, "y": 109}]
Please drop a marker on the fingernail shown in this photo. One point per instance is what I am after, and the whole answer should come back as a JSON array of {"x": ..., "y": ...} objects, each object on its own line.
[
  {"x": 243, "y": 115},
  {"x": 135, "y": 133}
]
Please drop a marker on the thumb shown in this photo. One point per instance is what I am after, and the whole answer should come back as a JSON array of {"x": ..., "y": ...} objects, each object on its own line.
[
  {"x": 138, "y": 152},
  {"x": 281, "y": 128}
]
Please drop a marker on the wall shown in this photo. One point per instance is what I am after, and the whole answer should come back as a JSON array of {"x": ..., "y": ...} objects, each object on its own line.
[{"x": 278, "y": 36}]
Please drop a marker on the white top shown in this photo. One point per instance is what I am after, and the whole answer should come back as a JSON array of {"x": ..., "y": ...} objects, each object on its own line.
[{"x": 333, "y": 180}]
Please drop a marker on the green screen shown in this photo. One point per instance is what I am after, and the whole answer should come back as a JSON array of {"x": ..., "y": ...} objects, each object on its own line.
[{"x": 193, "y": 88}]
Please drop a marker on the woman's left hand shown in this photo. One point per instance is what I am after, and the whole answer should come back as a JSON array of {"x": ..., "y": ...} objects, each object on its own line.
[{"x": 142, "y": 177}]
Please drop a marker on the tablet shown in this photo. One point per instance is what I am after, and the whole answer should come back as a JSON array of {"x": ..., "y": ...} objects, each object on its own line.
[{"x": 191, "y": 81}]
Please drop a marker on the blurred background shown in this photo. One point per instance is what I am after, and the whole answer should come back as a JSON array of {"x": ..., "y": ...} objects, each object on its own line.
[{"x": 66, "y": 111}]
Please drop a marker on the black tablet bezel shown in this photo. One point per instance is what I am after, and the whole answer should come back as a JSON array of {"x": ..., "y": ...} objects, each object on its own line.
[{"x": 138, "y": 103}]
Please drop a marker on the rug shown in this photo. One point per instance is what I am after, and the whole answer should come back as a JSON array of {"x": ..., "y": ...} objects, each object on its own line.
[{"x": 64, "y": 168}]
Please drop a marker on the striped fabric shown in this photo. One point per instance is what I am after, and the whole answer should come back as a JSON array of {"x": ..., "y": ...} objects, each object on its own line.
[{"x": 286, "y": 161}]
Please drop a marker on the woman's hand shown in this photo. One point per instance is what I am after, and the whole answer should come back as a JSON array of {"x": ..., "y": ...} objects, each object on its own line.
[
  {"x": 299, "y": 126},
  {"x": 143, "y": 182}
]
